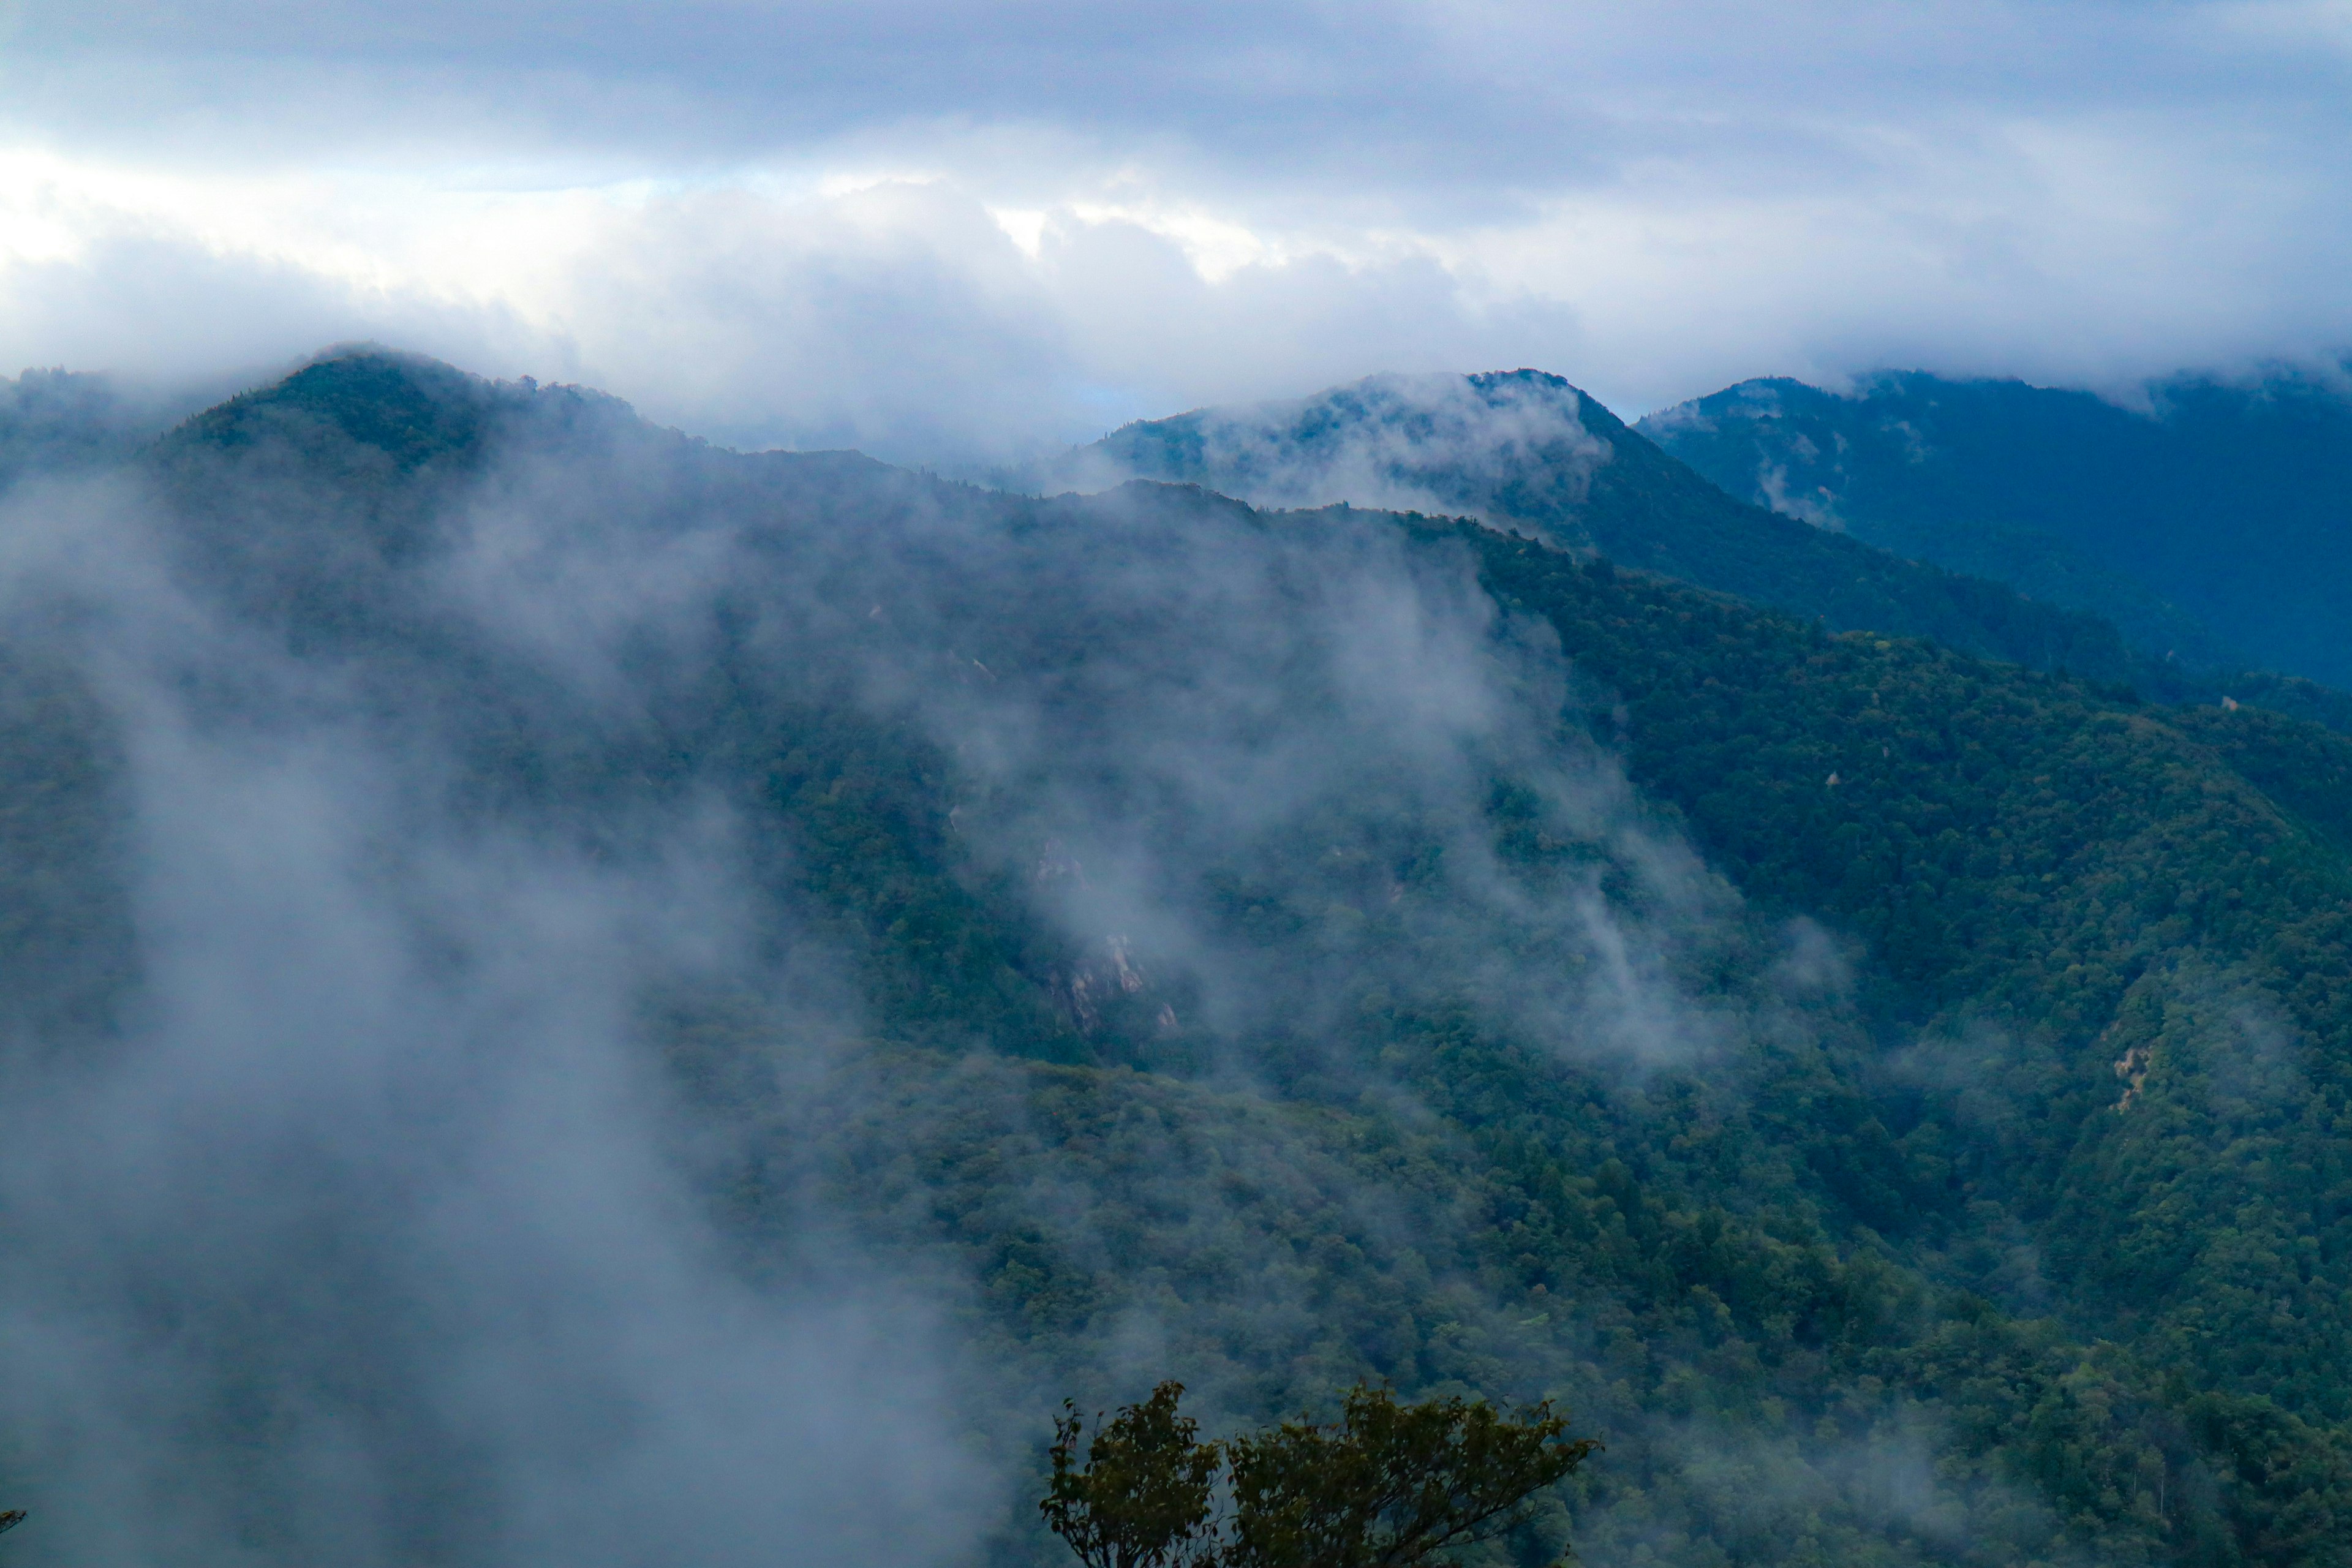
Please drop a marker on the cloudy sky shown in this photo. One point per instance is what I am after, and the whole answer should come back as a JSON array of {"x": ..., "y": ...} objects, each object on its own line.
[{"x": 951, "y": 232}]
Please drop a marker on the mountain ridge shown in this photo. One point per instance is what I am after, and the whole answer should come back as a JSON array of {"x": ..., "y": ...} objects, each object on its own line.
[
  {"x": 2214, "y": 516},
  {"x": 1543, "y": 456}
]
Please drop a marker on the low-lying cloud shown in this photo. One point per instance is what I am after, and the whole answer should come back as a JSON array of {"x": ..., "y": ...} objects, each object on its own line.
[
  {"x": 367, "y": 1235},
  {"x": 956, "y": 237}
]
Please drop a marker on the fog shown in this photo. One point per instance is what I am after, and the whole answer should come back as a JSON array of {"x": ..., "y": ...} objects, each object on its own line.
[
  {"x": 1505, "y": 450},
  {"x": 366, "y": 1237},
  {"x": 501, "y": 1148}
]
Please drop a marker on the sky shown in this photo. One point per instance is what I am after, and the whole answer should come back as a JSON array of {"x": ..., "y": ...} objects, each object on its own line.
[{"x": 960, "y": 233}]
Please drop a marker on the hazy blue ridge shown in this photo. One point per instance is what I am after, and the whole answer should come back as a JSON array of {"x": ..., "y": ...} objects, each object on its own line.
[
  {"x": 60, "y": 421},
  {"x": 1528, "y": 451},
  {"x": 2213, "y": 525}
]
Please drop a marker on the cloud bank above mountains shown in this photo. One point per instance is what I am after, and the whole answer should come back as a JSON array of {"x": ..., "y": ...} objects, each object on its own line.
[{"x": 953, "y": 232}]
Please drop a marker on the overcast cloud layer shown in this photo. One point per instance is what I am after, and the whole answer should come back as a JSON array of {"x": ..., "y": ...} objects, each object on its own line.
[{"x": 956, "y": 232}]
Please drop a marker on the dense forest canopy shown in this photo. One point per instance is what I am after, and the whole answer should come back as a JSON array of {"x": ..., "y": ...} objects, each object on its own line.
[{"x": 611, "y": 977}]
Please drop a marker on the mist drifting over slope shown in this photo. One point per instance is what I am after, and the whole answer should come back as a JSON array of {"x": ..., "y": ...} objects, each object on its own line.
[
  {"x": 362, "y": 1233},
  {"x": 1497, "y": 446},
  {"x": 437, "y": 734}
]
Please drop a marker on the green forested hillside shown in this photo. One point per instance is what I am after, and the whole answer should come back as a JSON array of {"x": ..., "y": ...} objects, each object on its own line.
[
  {"x": 2100, "y": 968},
  {"x": 2130, "y": 959},
  {"x": 1890, "y": 1097}
]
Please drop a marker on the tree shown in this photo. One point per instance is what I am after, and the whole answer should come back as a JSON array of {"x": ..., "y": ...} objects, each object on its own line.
[
  {"x": 1392, "y": 1485},
  {"x": 1141, "y": 1499},
  {"x": 1388, "y": 1486}
]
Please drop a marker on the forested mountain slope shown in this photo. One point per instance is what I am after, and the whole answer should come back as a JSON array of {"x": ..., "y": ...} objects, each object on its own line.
[
  {"x": 712, "y": 988},
  {"x": 2215, "y": 525},
  {"x": 1528, "y": 450}
]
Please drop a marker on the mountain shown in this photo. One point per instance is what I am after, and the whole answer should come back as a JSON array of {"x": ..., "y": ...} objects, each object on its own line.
[
  {"x": 1527, "y": 451},
  {"x": 561, "y": 972},
  {"x": 2214, "y": 525}
]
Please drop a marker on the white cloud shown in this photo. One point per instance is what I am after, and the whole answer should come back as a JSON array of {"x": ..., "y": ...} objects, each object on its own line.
[{"x": 952, "y": 230}]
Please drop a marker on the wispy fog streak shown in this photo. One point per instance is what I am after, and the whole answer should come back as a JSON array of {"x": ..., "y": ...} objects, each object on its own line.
[{"x": 367, "y": 1241}]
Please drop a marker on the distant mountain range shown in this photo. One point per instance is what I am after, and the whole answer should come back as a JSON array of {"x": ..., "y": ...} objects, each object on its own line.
[
  {"x": 1527, "y": 451},
  {"x": 2213, "y": 525}
]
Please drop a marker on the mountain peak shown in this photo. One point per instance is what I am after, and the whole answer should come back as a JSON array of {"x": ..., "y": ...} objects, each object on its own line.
[
  {"x": 1529, "y": 451},
  {"x": 416, "y": 410}
]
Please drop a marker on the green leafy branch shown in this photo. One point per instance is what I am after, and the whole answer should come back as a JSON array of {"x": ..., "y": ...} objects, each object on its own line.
[{"x": 1389, "y": 1484}]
